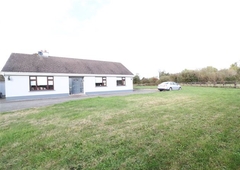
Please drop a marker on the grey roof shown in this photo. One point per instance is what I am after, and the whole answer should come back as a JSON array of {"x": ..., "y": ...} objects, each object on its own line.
[{"x": 34, "y": 63}]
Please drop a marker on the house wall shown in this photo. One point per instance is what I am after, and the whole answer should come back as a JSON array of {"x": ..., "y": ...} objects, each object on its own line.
[
  {"x": 90, "y": 88},
  {"x": 18, "y": 88}
]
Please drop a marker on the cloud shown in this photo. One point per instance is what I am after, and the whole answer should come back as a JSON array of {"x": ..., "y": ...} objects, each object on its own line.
[
  {"x": 166, "y": 35},
  {"x": 144, "y": 35}
]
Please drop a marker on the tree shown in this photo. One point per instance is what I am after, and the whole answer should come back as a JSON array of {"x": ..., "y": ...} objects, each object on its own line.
[
  {"x": 162, "y": 73},
  {"x": 175, "y": 77},
  {"x": 226, "y": 75},
  {"x": 145, "y": 80},
  {"x": 188, "y": 76},
  {"x": 164, "y": 78},
  {"x": 153, "y": 80},
  {"x": 208, "y": 74},
  {"x": 136, "y": 79},
  {"x": 235, "y": 68}
]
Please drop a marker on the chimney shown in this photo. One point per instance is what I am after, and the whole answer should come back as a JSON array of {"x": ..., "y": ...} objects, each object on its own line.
[{"x": 43, "y": 53}]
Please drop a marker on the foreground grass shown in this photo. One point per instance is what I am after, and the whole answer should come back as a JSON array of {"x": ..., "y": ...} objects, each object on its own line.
[{"x": 195, "y": 128}]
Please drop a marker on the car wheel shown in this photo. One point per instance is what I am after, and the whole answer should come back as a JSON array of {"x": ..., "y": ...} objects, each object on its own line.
[
  {"x": 180, "y": 88},
  {"x": 170, "y": 89}
]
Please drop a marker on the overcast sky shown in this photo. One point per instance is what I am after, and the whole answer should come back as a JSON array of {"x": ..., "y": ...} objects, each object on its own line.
[{"x": 144, "y": 35}]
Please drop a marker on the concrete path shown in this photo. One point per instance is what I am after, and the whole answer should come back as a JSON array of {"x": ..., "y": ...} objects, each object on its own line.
[{"x": 7, "y": 106}]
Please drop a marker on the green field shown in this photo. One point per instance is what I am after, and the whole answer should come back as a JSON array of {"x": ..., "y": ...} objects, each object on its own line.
[
  {"x": 195, "y": 128},
  {"x": 145, "y": 87}
]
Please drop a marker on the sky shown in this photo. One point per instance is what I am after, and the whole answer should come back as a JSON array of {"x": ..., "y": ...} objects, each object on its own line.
[{"x": 147, "y": 36}]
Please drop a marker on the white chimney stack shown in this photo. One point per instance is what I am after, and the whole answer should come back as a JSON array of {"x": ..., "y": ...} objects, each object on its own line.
[{"x": 43, "y": 53}]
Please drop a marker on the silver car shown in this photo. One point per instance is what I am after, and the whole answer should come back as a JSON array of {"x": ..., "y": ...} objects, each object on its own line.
[{"x": 169, "y": 85}]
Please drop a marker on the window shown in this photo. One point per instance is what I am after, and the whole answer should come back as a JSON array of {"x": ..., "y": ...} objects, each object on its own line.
[
  {"x": 121, "y": 81},
  {"x": 100, "y": 81},
  {"x": 41, "y": 83}
]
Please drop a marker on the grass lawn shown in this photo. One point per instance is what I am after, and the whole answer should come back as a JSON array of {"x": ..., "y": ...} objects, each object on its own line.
[
  {"x": 144, "y": 87},
  {"x": 195, "y": 128}
]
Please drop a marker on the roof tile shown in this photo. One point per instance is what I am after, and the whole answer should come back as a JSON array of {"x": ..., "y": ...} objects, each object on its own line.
[{"x": 34, "y": 63}]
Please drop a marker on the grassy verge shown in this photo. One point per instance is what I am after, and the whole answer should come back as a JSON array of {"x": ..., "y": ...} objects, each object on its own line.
[
  {"x": 195, "y": 128},
  {"x": 144, "y": 87}
]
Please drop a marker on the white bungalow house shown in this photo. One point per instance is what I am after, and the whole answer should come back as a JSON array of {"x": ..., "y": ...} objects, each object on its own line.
[{"x": 31, "y": 76}]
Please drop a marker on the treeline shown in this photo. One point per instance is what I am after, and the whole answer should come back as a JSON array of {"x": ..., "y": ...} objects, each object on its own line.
[{"x": 204, "y": 75}]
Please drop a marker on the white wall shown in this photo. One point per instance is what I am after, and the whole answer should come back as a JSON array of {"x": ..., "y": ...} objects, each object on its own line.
[
  {"x": 89, "y": 85},
  {"x": 61, "y": 84},
  {"x": 18, "y": 86}
]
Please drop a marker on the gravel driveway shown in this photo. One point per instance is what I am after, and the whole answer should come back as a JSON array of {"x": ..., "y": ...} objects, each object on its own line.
[{"x": 6, "y": 106}]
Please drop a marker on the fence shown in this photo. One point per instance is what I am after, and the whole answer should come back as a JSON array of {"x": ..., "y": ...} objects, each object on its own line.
[
  {"x": 214, "y": 84},
  {"x": 226, "y": 84}
]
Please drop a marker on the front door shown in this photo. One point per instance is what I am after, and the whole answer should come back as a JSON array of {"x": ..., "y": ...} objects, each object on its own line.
[{"x": 76, "y": 85}]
